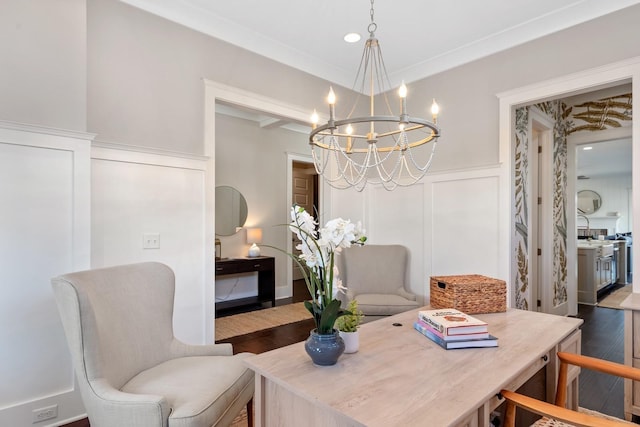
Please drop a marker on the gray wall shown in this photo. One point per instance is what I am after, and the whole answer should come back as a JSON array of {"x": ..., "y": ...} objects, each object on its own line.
[
  {"x": 43, "y": 63},
  {"x": 145, "y": 78},
  {"x": 467, "y": 94}
]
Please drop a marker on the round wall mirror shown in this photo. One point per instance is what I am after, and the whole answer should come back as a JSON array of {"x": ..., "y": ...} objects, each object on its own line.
[
  {"x": 231, "y": 210},
  {"x": 588, "y": 202}
]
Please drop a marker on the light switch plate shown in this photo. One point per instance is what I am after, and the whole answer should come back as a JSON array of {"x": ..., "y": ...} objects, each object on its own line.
[{"x": 151, "y": 241}]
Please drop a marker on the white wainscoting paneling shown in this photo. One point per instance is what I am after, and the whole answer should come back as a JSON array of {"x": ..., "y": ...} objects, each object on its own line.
[
  {"x": 451, "y": 222},
  {"x": 463, "y": 224},
  {"x": 44, "y": 212},
  {"x": 397, "y": 217},
  {"x": 346, "y": 204},
  {"x": 134, "y": 193}
]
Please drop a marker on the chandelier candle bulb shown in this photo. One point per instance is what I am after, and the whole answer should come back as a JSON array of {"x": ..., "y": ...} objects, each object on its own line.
[
  {"x": 402, "y": 91},
  {"x": 435, "y": 109},
  {"x": 403, "y": 101},
  {"x": 349, "y": 131},
  {"x": 314, "y": 119},
  {"x": 331, "y": 99}
]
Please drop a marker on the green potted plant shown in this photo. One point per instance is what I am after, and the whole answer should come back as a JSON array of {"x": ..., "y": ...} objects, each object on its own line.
[{"x": 348, "y": 325}]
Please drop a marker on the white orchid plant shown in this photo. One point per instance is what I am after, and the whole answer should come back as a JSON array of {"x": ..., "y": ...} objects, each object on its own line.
[{"x": 317, "y": 262}]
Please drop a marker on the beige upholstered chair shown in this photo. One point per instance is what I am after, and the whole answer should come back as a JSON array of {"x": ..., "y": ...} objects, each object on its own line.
[
  {"x": 376, "y": 276},
  {"x": 131, "y": 370},
  {"x": 559, "y": 416}
]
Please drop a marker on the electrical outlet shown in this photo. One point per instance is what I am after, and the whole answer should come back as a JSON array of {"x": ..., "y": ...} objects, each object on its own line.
[
  {"x": 151, "y": 241},
  {"x": 45, "y": 413}
]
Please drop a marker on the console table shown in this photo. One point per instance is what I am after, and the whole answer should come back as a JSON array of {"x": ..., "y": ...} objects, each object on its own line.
[
  {"x": 264, "y": 265},
  {"x": 400, "y": 378}
]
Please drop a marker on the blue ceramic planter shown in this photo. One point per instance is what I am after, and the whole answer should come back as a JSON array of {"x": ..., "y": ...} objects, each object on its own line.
[{"x": 325, "y": 349}]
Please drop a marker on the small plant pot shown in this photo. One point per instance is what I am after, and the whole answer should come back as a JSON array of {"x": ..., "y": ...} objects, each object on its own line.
[{"x": 351, "y": 341}]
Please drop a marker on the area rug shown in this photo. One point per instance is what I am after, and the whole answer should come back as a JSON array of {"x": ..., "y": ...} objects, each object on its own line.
[
  {"x": 614, "y": 299},
  {"x": 245, "y": 323},
  {"x": 240, "y": 420}
]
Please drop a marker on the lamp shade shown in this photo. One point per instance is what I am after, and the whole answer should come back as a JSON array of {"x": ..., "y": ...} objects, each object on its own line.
[{"x": 254, "y": 235}]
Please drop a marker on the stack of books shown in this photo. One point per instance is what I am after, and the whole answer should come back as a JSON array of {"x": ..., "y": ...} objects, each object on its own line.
[{"x": 451, "y": 328}]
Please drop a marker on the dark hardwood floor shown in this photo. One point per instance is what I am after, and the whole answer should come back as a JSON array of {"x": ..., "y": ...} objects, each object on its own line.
[
  {"x": 602, "y": 337},
  {"x": 270, "y": 339}
]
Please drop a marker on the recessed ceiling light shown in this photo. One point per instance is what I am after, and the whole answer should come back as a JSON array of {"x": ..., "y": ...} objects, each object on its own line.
[
  {"x": 352, "y": 37},
  {"x": 587, "y": 148}
]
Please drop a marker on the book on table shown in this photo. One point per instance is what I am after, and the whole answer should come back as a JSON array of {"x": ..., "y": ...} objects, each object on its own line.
[
  {"x": 489, "y": 341},
  {"x": 462, "y": 337},
  {"x": 449, "y": 321}
]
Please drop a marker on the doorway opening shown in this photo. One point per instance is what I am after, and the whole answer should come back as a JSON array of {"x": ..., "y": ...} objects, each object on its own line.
[
  {"x": 560, "y": 88},
  {"x": 548, "y": 168},
  {"x": 276, "y": 114}
]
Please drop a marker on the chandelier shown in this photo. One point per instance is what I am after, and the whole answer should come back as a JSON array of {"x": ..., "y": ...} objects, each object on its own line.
[{"x": 378, "y": 148}]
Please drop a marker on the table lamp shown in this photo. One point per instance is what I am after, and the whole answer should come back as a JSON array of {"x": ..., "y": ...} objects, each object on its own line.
[
  {"x": 218, "y": 249},
  {"x": 254, "y": 236}
]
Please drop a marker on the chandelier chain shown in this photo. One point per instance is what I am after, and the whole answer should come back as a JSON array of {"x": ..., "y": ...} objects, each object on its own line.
[{"x": 372, "y": 26}]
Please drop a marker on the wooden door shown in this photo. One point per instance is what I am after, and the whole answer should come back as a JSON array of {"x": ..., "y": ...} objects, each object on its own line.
[{"x": 304, "y": 194}]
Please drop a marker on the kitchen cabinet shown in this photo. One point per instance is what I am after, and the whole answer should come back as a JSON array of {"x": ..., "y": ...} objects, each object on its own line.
[
  {"x": 595, "y": 270},
  {"x": 621, "y": 259}
]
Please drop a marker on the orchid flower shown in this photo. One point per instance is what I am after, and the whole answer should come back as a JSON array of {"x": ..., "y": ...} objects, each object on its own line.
[{"x": 317, "y": 252}]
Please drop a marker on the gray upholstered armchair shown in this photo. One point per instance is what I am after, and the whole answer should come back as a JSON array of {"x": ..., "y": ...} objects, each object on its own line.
[
  {"x": 131, "y": 370},
  {"x": 376, "y": 276}
]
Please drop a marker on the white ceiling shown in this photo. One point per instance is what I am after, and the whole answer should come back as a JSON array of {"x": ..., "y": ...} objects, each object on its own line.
[
  {"x": 418, "y": 37},
  {"x": 605, "y": 158}
]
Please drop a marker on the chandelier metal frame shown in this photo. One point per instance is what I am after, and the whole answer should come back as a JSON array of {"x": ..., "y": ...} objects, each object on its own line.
[{"x": 346, "y": 159}]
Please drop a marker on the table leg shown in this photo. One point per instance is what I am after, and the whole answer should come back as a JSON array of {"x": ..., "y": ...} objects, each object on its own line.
[{"x": 258, "y": 402}]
